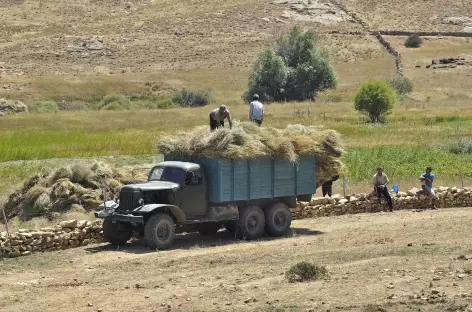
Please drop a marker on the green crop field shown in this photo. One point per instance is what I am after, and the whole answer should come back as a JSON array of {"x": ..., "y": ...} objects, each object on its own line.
[{"x": 412, "y": 139}]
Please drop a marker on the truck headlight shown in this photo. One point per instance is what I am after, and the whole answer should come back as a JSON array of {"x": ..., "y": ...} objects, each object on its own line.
[{"x": 141, "y": 201}]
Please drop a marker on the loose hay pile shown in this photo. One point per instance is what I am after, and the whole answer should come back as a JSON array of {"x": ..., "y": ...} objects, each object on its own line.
[
  {"x": 77, "y": 186},
  {"x": 247, "y": 140}
]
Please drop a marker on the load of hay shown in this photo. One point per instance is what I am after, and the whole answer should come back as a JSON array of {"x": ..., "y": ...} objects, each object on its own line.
[
  {"x": 247, "y": 140},
  {"x": 78, "y": 187}
]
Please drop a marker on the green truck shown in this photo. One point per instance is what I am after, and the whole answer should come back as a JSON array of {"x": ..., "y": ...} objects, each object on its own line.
[{"x": 247, "y": 197}]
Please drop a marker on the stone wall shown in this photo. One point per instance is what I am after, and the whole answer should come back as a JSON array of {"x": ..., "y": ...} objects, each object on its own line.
[
  {"x": 426, "y": 33},
  {"x": 365, "y": 203},
  {"x": 65, "y": 235},
  {"x": 391, "y": 50}
]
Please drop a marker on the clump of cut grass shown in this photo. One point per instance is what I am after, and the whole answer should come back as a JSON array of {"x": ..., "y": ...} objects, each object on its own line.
[
  {"x": 77, "y": 187},
  {"x": 305, "y": 272},
  {"x": 247, "y": 141}
]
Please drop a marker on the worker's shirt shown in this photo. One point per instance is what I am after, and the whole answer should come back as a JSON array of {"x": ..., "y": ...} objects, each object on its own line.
[
  {"x": 380, "y": 179},
  {"x": 256, "y": 111},
  {"x": 428, "y": 176},
  {"x": 219, "y": 117}
]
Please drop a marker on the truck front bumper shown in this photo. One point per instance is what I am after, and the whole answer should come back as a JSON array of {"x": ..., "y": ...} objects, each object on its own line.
[{"x": 120, "y": 217}]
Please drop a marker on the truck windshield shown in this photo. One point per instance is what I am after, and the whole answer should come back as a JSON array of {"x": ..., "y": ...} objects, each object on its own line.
[{"x": 169, "y": 174}]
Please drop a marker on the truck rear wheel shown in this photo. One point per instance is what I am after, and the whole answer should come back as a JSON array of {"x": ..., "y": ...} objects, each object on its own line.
[
  {"x": 250, "y": 224},
  {"x": 159, "y": 231},
  {"x": 117, "y": 233},
  {"x": 208, "y": 228},
  {"x": 278, "y": 219}
]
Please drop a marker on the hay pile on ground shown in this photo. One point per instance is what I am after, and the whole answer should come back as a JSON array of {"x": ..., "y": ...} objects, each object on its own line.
[
  {"x": 247, "y": 140},
  {"x": 75, "y": 187},
  {"x": 8, "y": 107}
]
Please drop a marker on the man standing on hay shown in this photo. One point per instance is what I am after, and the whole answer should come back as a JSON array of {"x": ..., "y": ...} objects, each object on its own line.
[
  {"x": 256, "y": 110},
  {"x": 380, "y": 181},
  {"x": 217, "y": 117}
]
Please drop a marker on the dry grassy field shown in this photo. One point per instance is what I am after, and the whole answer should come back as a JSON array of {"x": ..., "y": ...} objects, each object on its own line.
[
  {"x": 407, "y": 261},
  {"x": 79, "y": 51}
]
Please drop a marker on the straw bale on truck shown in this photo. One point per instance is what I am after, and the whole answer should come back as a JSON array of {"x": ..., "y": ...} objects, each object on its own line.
[{"x": 245, "y": 179}]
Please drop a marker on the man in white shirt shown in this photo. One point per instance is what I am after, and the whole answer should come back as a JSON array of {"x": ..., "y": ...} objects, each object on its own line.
[
  {"x": 256, "y": 110},
  {"x": 380, "y": 181}
]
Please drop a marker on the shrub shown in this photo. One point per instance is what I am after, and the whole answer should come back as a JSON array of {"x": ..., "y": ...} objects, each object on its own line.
[
  {"x": 305, "y": 271},
  {"x": 193, "y": 98},
  {"x": 460, "y": 147},
  {"x": 374, "y": 308},
  {"x": 295, "y": 69},
  {"x": 413, "y": 41},
  {"x": 44, "y": 107},
  {"x": 114, "y": 101},
  {"x": 154, "y": 104},
  {"x": 402, "y": 85},
  {"x": 375, "y": 99},
  {"x": 72, "y": 106}
]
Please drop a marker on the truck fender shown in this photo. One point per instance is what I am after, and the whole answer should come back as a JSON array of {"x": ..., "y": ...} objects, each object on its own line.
[{"x": 176, "y": 211}]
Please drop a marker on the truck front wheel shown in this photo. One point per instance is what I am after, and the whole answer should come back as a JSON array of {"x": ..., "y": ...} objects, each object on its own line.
[
  {"x": 250, "y": 224},
  {"x": 159, "y": 231},
  {"x": 117, "y": 233},
  {"x": 278, "y": 219}
]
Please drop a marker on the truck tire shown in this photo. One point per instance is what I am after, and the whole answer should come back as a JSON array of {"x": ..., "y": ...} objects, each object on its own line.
[
  {"x": 159, "y": 231},
  {"x": 251, "y": 222},
  {"x": 208, "y": 228},
  {"x": 278, "y": 219},
  {"x": 117, "y": 233}
]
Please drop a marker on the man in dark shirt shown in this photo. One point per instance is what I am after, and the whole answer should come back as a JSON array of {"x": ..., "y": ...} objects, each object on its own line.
[{"x": 327, "y": 187}]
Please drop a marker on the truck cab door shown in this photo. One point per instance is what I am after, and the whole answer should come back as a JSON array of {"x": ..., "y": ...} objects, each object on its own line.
[{"x": 194, "y": 195}]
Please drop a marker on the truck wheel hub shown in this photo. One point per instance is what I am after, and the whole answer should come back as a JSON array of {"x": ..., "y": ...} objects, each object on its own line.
[
  {"x": 280, "y": 219},
  {"x": 163, "y": 230},
  {"x": 252, "y": 223}
]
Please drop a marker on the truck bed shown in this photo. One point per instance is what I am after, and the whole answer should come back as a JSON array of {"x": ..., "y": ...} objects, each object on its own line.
[{"x": 234, "y": 179}]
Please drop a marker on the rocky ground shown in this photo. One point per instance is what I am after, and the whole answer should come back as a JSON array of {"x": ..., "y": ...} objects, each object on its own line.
[{"x": 406, "y": 261}]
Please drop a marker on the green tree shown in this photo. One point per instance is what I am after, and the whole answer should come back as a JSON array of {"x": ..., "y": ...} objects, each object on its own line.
[
  {"x": 295, "y": 69},
  {"x": 375, "y": 99},
  {"x": 268, "y": 77}
]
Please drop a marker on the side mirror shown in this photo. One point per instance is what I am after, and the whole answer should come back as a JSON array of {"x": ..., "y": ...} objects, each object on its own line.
[
  {"x": 194, "y": 178},
  {"x": 189, "y": 178}
]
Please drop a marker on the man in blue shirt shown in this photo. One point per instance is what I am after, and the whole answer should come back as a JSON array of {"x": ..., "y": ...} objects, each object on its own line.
[{"x": 427, "y": 179}]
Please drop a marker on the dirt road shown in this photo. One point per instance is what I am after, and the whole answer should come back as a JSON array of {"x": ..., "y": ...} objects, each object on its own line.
[{"x": 406, "y": 261}]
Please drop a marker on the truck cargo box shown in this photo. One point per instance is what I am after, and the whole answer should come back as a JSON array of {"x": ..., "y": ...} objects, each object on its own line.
[{"x": 234, "y": 179}]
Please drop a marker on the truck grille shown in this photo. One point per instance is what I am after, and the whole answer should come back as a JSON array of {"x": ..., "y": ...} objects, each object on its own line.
[{"x": 128, "y": 201}]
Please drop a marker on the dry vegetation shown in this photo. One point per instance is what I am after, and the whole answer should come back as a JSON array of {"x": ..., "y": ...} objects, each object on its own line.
[
  {"x": 408, "y": 261},
  {"x": 78, "y": 188},
  {"x": 246, "y": 140}
]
